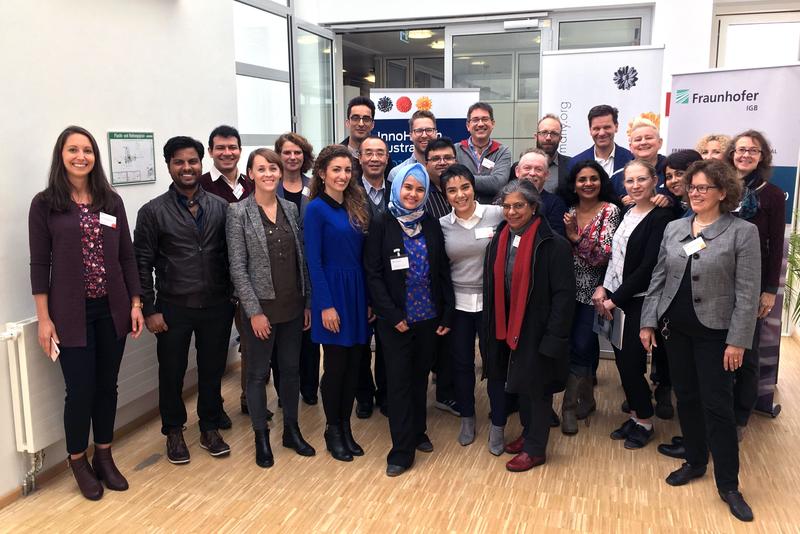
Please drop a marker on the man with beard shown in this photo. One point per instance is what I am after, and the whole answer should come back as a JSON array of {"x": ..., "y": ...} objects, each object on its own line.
[
  {"x": 488, "y": 160},
  {"x": 422, "y": 127},
  {"x": 181, "y": 234}
]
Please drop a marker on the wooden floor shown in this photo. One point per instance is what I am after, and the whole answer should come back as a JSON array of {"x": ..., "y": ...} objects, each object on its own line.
[{"x": 589, "y": 483}]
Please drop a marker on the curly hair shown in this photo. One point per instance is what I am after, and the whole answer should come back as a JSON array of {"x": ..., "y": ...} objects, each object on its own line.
[
  {"x": 355, "y": 199},
  {"x": 764, "y": 167},
  {"x": 723, "y": 140},
  {"x": 302, "y": 142},
  {"x": 721, "y": 175}
]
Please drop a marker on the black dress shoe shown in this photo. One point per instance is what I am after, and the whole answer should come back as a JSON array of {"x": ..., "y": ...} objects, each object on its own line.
[
  {"x": 554, "y": 420},
  {"x": 623, "y": 431},
  {"x": 393, "y": 470},
  {"x": 425, "y": 446},
  {"x": 677, "y": 440},
  {"x": 364, "y": 410},
  {"x": 638, "y": 437},
  {"x": 738, "y": 506},
  {"x": 293, "y": 439},
  {"x": 224, "y": 421},
  {"x": 311, "y": 400},
  {"x": 672, "y": 450},
  {"x": 685, "y": 474}
]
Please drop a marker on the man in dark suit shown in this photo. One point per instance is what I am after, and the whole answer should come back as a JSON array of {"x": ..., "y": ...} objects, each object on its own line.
[
  {"x": 603, "y": 126},
  {"x": 533, "y": 167}
]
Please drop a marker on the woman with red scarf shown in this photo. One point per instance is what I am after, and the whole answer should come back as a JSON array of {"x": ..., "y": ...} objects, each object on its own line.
[{"x": 529, "y": 296}]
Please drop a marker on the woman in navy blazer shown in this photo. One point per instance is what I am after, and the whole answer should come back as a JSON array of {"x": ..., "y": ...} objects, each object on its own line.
[
  {"x": 704, "y": 295},
  {"x": 408, "y": 274},
  {"x": 86, "y": 287}
]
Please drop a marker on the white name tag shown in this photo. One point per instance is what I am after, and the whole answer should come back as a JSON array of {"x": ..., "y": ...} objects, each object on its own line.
[
  {"x": 306, "y": 191},
  {"x": 489, "y": 164},
  {"x": 108, "y": 220},
  {"x": 693, "y": 246},
  {"x": 484, "y": 233},
  {"x": 238, "y": 191},
  {"x": 516, "y": 241},
  {"x": 399, "y": 263}
]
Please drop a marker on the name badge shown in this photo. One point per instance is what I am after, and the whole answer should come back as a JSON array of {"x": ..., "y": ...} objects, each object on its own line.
[
  {"x": 693, "y": 246},
  {"x": 238, "y": 191},
  {"x": 306, "y": 191},
  {"x": 516, "y": 241},
  {"x": 108, "y": 220},
  {"x": 484, "y": 233},
  {"x": 489, "y": 164},
  {"x": 398, "y": 263}
]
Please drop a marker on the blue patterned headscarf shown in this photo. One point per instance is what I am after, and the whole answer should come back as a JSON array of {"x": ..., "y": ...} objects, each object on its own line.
[{"x": 409, "y": 219}]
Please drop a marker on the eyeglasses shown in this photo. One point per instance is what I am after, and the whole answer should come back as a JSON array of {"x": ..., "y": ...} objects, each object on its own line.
[
  {"x": 752, "y": 151},
  {"x": 701, "y": 188},
  {"x": 363, "y": 119},
  {"x": 420, "y": 131},
  {"x": 517, "y": 206},
  {"x": 478, "y": 120},
  {"x": 440, "y": 159},
  {"x": 548, "y": 133},
  {"x": 369, "y": 154}
]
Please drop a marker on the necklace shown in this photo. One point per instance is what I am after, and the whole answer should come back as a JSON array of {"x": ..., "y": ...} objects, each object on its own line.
[{"x": 701, "y": 225}]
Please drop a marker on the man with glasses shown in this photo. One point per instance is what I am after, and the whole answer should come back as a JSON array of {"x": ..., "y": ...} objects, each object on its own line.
[
  {"x": 438, "y": 155},
  {"x": 360, "y": 121},
  {"x": 422, "y": 126},
  {"x": 488, "y": 160},
  {"x": 548, "y": 138}
]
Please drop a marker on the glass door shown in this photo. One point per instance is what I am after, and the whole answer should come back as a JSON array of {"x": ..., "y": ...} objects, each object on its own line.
[{"x": 312, "y": 80}]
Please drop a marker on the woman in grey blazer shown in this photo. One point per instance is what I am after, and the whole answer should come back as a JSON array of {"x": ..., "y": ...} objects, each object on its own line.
[
  {"x": 271, "y": 281},
  {"x": 704, "y": 298}
]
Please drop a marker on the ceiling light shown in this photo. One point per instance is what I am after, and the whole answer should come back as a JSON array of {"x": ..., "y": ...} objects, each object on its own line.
[
  {"x": 464, "y": 57},
  {"x": 326, "y": 50},
  {"x": 420, "y": 34},
  {"x": 478, "y": 63},
  {"x": 370, "y": 77},
  {"x": 307, "y": 39},
  {"x": 437, "y": 45}
]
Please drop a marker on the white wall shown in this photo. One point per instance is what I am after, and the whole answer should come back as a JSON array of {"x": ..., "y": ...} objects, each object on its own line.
[{"x": 165, "y": 66}]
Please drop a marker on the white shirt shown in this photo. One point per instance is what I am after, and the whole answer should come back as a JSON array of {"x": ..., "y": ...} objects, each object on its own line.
[
  {"x": 216, "y": 175},
  {"x": 619, "y": 246},
  {"x": 607, "y": 164}
]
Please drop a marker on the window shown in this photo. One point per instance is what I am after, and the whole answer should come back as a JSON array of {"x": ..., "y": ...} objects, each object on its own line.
[{"x": 599, "y": 33}]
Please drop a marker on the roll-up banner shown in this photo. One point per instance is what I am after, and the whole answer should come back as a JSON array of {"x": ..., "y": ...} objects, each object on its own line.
[
  {"x": 574, "y": 81},
  {"x": 395, "y": 106},
  {"x": 729, "y": 102}
]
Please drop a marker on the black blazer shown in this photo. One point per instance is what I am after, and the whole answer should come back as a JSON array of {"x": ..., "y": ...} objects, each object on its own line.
[
  {"x": 641, "y": 255},
  {"x": 387, "y": 288}
]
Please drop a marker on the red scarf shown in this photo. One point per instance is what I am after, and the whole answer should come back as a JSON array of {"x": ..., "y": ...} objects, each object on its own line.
[{"x": 508, "y": 330}]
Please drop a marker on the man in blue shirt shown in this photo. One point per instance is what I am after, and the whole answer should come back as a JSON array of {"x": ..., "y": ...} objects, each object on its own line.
[{"x": 603, "y": 126}]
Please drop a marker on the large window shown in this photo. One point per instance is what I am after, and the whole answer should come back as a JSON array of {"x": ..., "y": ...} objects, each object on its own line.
[
  {"x": 758, "y": 39},
  {"x": 599, "y": 33}
]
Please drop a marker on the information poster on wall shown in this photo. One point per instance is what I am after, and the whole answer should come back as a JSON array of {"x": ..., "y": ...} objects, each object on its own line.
[
  {"x": 132, "y": 157},
  {"x": 574, "y": 81},
  {"x": 395, "y": 106},
  {"x": 729, "y": 102}
]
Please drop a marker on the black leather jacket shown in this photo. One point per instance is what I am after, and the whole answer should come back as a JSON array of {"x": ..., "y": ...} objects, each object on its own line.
[{"x": 191, "y": 265}]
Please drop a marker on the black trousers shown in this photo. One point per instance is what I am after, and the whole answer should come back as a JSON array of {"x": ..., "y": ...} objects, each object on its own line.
[
  {"x": 367, "y": 388},
  {"x": 745, "y": 388},
  {"x": 409, "y": 356},
  {"x": 90, "y": 376},
  {"x": 309, "y": 367},
  {"x": 461, "y": 344},
  {"x": 339, "y": 378},
  {"x": 444, "y": 369},
  {"x": 212, "y": 331},
  {"x": 534, "y": 414},
  {"x": 285, "y": 339},
  {"x": 704, "y": 390},
  {"x": 632, "y": 363}
]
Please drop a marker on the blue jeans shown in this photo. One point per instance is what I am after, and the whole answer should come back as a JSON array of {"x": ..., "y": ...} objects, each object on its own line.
[{"x": 584, "y": 347}]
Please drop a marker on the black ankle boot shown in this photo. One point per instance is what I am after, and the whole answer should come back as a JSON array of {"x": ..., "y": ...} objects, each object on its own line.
[
  {"x": 335, "y": 444},
  {"x": 347, "y": 434},
  {"x": 293, "y": 439},
  {"x": 264, "y": 456}
]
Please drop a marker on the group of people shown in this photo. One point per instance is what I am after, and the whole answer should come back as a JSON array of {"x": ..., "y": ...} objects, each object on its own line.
[{"x": 454, "y": 243}]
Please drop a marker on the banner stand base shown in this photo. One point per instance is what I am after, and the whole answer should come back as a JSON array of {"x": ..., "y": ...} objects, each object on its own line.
[{"x": 771, "y": 412}]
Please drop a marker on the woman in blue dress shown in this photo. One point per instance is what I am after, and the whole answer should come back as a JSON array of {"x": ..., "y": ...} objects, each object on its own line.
[{"x": 336, "y": 221}]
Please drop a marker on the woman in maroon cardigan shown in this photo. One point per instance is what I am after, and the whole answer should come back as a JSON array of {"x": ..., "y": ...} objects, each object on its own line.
[{"x": 86, "y": 287}]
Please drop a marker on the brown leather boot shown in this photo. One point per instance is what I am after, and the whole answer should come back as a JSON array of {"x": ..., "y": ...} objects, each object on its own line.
[
  {"x": 90, "y": 487},
  {"x": 106, "y": 471}
]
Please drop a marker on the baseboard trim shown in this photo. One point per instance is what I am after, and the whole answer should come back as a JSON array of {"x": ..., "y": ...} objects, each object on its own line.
[{"x": 49, "y": 474}]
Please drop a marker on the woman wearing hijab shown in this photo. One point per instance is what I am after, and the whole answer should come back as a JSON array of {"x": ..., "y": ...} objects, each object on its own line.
[{"x": 408, "y": 276}]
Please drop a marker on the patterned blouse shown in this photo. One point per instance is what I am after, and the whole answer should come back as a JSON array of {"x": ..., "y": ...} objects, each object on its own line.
[
  {"x": 419, "y": 301},
  {"x": 593, "y": 250},
  {"x": 94, "y": 267}
]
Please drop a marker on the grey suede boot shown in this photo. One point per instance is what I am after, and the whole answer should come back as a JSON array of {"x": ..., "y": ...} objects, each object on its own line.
[
  {"x": 467, "y": 434},
  {"x": 586, "y": 402},
  {"x": 497, "y": 440}
]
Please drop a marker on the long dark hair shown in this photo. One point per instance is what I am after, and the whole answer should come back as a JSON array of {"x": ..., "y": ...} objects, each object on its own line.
[
  {"x": 58, "y": 193},
  {"x": 355, "y": 199},
  {"x": 567, "y": 190}
]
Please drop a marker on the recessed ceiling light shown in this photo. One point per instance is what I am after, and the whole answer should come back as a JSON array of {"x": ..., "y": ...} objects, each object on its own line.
[
  {"x": 307, "y": 39},
  {"x": 370, "y": 77},
  {"x": 437, "y": 45},
  {"x": 478, "y": 63},
  {"x": 420, "y": 34},
  {"x": 326, "y": 50}
]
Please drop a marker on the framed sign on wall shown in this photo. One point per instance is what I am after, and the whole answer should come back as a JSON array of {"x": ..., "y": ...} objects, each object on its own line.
[{"x": 132, "y": 158}]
